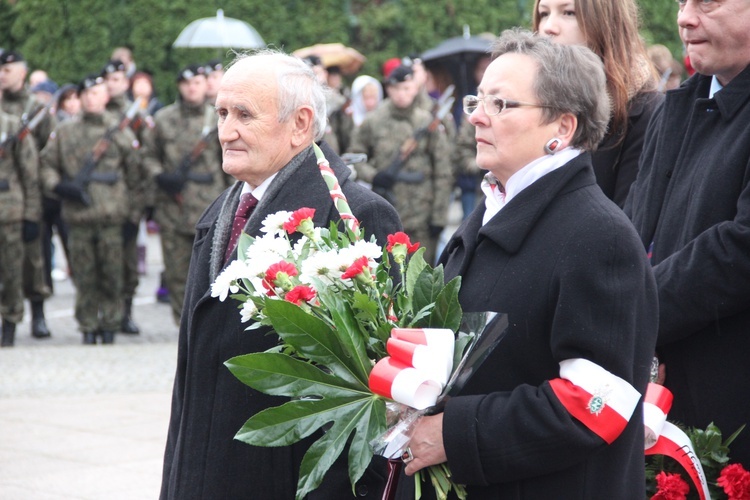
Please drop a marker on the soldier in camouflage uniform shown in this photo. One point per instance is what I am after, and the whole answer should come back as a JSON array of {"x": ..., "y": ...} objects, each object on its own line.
[
  {"x": 20, "y": 212},
  {"x": 96, "y": 230},
  {"x": 421, "y": 190},
  {"x": 18, "y": 101},
  {"x": 117, "y": 81},
  {"x": 183, "y": 196}
]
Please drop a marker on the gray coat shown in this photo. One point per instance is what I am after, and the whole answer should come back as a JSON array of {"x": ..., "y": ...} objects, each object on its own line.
[
  {"x": 691, "y": 207},
  {"x": 209, "y": 405}
]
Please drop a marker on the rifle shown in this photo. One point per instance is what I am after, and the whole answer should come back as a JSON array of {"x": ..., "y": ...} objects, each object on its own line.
[
  {"x": 87, "y": 175},
  {"x": 441, "y": 108},
  {"x": 183, "y": 169},
  {"x": 27, "y": 126}
]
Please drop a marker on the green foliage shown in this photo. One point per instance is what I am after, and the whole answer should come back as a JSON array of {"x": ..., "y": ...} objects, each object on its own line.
[{"x": 70, "y": 39}]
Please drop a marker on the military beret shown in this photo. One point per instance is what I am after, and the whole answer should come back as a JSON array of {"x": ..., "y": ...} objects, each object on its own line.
[
  {"x": 113, "y": 66},
  {"x": 90, "y": 81},
  {"x": 214, "y": 65},
  {"x": 10, "y": 56},
  {"x": 401, "y": 74},
  {"x": 191, "y": 71},
  {"x": 390, "y": 65}
]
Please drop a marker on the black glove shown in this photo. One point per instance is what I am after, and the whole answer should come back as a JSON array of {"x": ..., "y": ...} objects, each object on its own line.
[
  {"x": 170, "y": 182},
  {"x": 129, "y": 232},
  {"x": 70, "y": 191},
  {"x": 30, "y": 231},
  {"x": 435, "y": 230},
  {"x": 384, "y": 179}
]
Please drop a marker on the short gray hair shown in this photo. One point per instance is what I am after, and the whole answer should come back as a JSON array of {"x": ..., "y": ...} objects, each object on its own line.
[
  {"x": 570, "y": 79},
  {"x": 297, "y": 86}
]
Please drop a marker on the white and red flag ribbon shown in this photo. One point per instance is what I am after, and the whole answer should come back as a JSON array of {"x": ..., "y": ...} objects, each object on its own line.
[
  {"x": 419, "y": 365},
  {"x": 600, "y": 400},
  {"x": 665, "y": 438}
]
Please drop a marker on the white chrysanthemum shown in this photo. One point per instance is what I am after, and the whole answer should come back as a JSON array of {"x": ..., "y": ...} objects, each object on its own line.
[
  {"x": 299, "y": 246},
  {"x": 273, "y": 224},
  {"x": 361, "y": 249},
  {"x": 227, "y": 281},
  {"x": 269, "y": 243},
  {"x": 248, "y": 311},
  {"x": 326, "y": 266}
]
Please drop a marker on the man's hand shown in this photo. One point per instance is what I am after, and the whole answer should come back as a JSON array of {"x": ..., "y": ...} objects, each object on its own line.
[
  {"x": 170, "y": 182},
  {"x": 427, "y": 444},
  {"x": 384, "y": 179},
  {"x": 69, "y": 191},
  {"x": 30, "y": 231}
]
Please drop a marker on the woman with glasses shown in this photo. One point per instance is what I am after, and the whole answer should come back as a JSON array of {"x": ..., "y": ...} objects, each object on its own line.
[
  {"x": 555, "y": 411},
  {"x": 610, "y": 29}
]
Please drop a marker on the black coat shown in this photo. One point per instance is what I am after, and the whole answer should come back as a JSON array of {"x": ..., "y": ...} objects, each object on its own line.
[
  {"x": 566, "y": 266},
  {"x": 692, "y": 201},
  {"x": 209, "y": 405},
  {"x": 616, "y": 163}
]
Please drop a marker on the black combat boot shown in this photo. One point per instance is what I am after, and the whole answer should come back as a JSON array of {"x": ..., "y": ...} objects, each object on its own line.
[
  {"x": 128, "y": 325},
  {"x": 9, "y": 334},
  {"x": 89, "y": 338},
  {"x": 39, "y": 328},
  {"x": 108, "y": 337}
]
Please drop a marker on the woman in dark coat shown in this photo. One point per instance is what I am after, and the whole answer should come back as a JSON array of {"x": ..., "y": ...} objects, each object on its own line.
[
  {"x": 555, "y": 411},
  {"x": 631, "y": 79}
]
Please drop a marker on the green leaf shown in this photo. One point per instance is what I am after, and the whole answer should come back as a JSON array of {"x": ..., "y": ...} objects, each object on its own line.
[
  {"x": 363, "y": 304},
  {"x": 447, "y": 312},
  {"x": 312, "y": 338},
  {"x": 427, "y": 287},
  {"x": 415, "y": 266},
  {"x": 243, "y": 243},
  {"x": 348, "y": 332},
  {"x": 281, "y": 375},
  {"x": 360, "y": 451},
  {"x": 327, "y": 449},
  {"x": 286, "y": 424}
]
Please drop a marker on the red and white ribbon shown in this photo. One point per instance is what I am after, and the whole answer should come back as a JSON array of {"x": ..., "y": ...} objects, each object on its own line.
[
  {"x": 600, "y": 400},
  {"x": 664, "y": 438},
  {"x": 418, "y": 367}
]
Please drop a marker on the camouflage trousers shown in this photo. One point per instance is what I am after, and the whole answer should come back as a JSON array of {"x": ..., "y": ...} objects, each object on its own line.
[
  {"x": 96, "y": 256},
  {"x": 130, "y": 269},
  {"x": 11, "y": 275},
  {"x": 177, "y": 248}
]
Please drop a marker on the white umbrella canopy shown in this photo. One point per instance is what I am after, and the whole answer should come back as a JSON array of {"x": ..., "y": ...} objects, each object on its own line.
[{"x": 219, "y": 32}]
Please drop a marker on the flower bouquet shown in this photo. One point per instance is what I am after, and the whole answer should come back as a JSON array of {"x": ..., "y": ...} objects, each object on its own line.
[
  {"x": 688, "y": 462},
  {"x": 333, "y": 298}
]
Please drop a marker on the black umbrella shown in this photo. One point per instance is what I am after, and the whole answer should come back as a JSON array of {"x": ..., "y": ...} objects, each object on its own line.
[{"x": 458, "y": 56}]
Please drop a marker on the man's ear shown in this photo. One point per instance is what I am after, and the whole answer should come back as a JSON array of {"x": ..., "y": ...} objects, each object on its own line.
[{"x": 302, "y": 122}]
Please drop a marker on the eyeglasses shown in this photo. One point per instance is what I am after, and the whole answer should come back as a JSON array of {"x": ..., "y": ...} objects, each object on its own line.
[{"x": 497, "y": 104}]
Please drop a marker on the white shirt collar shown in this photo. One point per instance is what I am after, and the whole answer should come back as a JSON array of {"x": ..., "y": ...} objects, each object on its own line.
[
  {"x": 496, "y": 198},
  {"x": 259, "y": 191},
  {"x": 715, "y": 87}
]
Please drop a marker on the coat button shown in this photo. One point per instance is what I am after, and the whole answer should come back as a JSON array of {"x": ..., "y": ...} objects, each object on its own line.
[{"x": 362, "y": 490}]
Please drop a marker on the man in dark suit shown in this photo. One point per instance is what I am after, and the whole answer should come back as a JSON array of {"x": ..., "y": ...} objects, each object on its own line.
[
  {"x": 270, "y": 109},
  {"x": 691, "y": 207}
]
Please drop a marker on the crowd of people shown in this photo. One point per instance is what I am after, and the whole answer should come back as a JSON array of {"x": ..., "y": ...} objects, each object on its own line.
[{"x": 611, "y": 226}]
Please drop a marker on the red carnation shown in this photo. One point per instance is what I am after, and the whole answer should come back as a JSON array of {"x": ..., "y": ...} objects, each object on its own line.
[
  {"x": 360, "y": 267},
  {"x": 300, "y": 293},
  {"x": 670, "y": 487},
  {"x": 303, "y": 215},
  {"x": 399, "y": 245},
  {"x": 278, "y": 275},
  {"x": 736, "y": 482}
]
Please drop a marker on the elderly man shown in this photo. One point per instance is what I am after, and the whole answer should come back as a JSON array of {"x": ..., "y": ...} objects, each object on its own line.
[
  {"x": 270, "y": 109},
  {"x": 691, "y": 207}
]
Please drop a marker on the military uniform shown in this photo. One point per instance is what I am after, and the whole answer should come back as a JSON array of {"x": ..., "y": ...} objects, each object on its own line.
[
  {"x": 96, "y": 231},
  {"x": 24, "y": 105},
  {"x": 20, "y": 212},
  {"x": 422, "y": 193},
  {"x": 178, "y": 128}
]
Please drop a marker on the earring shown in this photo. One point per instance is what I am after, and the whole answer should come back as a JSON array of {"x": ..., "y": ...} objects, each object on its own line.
[{"x": 551, "y": 147}]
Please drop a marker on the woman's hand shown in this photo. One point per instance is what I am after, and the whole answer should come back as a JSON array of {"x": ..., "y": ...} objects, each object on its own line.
[{"x": 426, "y": 444}]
